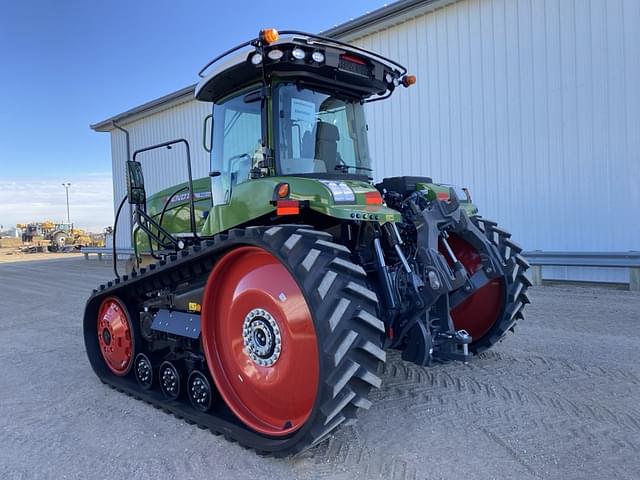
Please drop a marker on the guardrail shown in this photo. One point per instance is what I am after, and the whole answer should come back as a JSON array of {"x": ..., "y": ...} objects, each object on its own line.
[
  {"x": 630, "y": 260},
  {"x": 106, "y": 252}
]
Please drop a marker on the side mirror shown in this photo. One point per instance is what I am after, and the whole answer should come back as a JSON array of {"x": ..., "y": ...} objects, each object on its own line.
[
  {"x": 206, "y": 131},
  {"x": 135, "y": 183}
]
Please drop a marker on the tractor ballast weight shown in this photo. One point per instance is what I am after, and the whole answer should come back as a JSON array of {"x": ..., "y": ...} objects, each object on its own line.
[{"x": 279, "y": 281}]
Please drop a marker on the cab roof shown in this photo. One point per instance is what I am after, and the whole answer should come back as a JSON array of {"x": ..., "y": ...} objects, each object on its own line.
[{"x": 300, "y": 57}]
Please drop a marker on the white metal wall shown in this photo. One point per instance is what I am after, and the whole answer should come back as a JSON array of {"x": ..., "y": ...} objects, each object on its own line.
[
  {"x": 533, "y": 104},
  {"x": 162, "y": 168}
]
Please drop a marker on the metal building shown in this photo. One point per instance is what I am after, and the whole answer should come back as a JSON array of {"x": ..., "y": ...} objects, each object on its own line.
[{"x": 532, "y": 104}]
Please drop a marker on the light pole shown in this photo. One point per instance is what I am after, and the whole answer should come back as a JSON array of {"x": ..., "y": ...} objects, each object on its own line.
[{"x": 66, "y": 187}]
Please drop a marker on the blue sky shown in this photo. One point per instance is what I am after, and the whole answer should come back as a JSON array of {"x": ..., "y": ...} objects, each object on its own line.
[{"x": 66, "y": 64}]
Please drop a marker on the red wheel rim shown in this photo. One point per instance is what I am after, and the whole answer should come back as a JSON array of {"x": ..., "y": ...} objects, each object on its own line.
[
  {"x": 478, "y": 313},
  {"x": 277, "y": 399},
  {"x": 115, "y": 336}
]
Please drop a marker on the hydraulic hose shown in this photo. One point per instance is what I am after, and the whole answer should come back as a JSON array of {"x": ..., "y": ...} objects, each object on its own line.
[{"x": 166, "y": 204}]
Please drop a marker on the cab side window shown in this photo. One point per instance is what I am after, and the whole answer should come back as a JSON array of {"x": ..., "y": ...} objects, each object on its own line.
[{"x": 236, "y": 144}]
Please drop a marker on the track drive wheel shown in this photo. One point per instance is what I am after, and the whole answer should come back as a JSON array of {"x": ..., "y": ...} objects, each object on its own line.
[
  {"x": 290, "y": 335},
  {"x": 492, "y": 311}
]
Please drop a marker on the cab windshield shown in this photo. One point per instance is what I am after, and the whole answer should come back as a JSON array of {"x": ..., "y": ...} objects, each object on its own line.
[{"x": 317, "y": 133}]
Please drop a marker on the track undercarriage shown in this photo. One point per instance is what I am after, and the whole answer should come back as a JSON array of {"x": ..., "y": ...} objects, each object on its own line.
[
  {"x": 344, "y": 387},
  {"x": 158, "y": 341}
]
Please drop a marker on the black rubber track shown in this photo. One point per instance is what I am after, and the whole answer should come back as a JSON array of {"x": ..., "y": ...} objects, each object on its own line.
[
  {"x": 515, "y": 282},
  {"x": 344, "y": 312}
]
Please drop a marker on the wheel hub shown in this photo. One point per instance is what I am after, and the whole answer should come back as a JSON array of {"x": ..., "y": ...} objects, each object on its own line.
[
  {"x": 115, "y": 336},
  {"x": 261, "y": 337},
  {"x": 199, "y": 391},
  {"x": 144, "y": 371},
  {"x": 169, "y": 380}
]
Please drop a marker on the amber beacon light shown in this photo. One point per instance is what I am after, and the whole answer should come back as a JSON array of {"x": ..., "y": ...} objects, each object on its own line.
[{"x": 269, "y": 35}]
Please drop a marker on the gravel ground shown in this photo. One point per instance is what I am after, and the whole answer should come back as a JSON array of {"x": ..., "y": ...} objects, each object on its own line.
[{"x": 560, "y": 398}]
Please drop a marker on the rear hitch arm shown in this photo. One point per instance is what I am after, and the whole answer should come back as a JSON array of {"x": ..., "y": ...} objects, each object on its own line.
[{"x": 389, "y": 300}]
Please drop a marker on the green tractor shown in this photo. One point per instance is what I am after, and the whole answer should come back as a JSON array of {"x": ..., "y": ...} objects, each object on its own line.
[{"x": 279, "y": 282}]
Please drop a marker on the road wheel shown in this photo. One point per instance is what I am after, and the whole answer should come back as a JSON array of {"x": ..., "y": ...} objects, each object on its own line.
[
  {"x": 493, "y": 310},
  {"x": 290, "y": 334}
]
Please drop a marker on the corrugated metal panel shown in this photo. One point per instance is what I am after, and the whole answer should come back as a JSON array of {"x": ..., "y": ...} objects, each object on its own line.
[
  {"x": 535, "y": 106},
  {"x": 162, "y": 168},
  {"x": 119, "y": 154}
]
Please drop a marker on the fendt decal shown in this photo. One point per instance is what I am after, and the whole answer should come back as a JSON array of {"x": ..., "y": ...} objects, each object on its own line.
[{"x": 183, "y": 197}]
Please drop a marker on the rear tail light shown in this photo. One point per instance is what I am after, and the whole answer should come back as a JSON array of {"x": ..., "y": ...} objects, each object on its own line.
[
  {"x": 353, "y": 59},
  {"x": 373, "y": 198},
  {"x": 287, "y": 207}
]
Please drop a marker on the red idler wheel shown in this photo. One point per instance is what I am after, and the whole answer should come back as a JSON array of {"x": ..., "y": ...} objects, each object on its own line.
[
  {"x": 115, "y": 336},
  {"x": 478, "y": 313},
  {"x": 260, "y": 342}
]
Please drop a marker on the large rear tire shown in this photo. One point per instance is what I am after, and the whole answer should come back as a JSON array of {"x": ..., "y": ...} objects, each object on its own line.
[
  {"x": 58, "y": 241},
  {"x": 493, "y": 310},
  {"x": 290, "y": 334}
]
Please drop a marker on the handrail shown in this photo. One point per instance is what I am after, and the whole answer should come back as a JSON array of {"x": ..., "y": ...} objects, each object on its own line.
[
  {"x": 169, "y": 144},
  {"x": 224, "y": 54},
  {"x": 312, "y": 36}
]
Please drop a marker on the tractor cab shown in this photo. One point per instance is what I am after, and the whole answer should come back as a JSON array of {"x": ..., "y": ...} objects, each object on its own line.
[
  {"x": 292, "y": 105},
  {"x": 315, "y": 133},
  {"x": 287, "y": 133}
]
